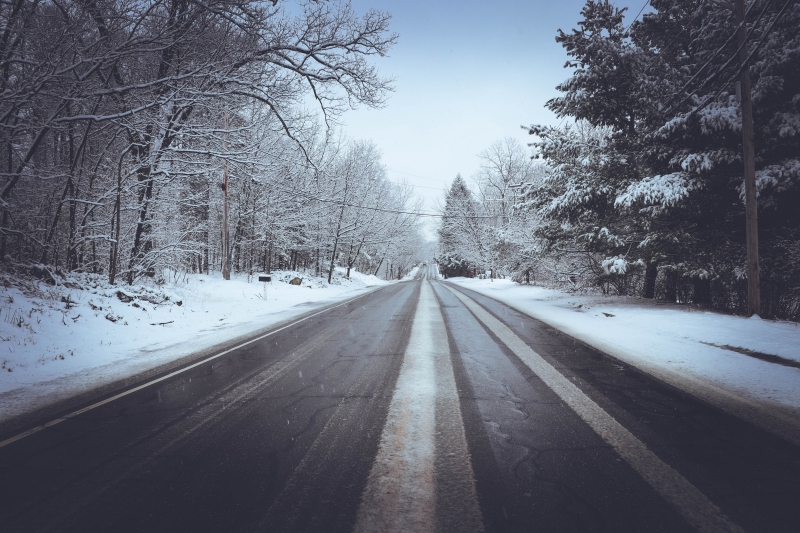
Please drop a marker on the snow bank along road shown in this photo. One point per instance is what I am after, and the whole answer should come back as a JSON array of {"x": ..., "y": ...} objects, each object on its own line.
[{"x": 418, "y": 408}]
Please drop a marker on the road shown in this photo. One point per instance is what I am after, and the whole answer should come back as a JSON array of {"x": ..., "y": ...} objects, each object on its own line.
[{"x": 416, "y": 407}]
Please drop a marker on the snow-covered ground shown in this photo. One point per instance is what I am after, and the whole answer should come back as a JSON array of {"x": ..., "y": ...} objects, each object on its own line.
[
  {"x": 411, "y": 273},
  {"x": 56, "y": 342},
  {"x": 701, "y": 351}
]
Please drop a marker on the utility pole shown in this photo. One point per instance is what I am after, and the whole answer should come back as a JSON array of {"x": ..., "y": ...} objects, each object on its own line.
[
  {"x": 748, "y": 148},
  {"x": 226, "y": 271}
]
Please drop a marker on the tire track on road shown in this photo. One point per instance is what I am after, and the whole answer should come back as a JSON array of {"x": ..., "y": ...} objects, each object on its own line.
[{"x": 422, "y": 479}]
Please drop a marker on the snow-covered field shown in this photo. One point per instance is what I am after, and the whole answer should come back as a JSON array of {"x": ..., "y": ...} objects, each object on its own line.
[
  {"x": 56, "y": 342},
  {"x": 679, "y": 344}
]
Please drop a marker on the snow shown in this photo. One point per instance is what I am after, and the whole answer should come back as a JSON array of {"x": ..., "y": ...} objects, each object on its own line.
[
  {"x": 663, "y": 191},
  {"x": 671, "y": 339},
  {"x": 411, "y": 273},
  {"x": 60, "y": 341},
  {"x": 781, "y": 176},
  {"x": 615, "y": 265}
]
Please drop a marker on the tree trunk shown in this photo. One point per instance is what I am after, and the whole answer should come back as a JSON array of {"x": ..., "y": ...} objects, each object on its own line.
[
  {"x": 671, "y": 287},
  {"x": 349, "y": 255},
  {"x": 142, "y": 234},
  {"x": 226, "y": 267},
  {"x": 333, "y": 258},
  {"x": 114, "y": 259},
  {"x": 3, "y": 235},
  {"x": 71, "y": 252},
  {"x": 650, "y": 275},
  {"x": 206, "y": 222},
  {"x": 54, "y": 224},
  {"x": 10, "y": 167},
  {"x": 702, "y": 291},
  {"x": 355, "y": 257}
]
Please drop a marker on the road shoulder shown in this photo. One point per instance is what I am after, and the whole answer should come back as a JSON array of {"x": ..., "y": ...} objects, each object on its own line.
[
  {"x": 778, "y": 419},
  {"x": 26, "y": 407}
]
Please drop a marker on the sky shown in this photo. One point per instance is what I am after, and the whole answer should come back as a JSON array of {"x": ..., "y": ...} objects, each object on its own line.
[{"x": 467, "y": 74}]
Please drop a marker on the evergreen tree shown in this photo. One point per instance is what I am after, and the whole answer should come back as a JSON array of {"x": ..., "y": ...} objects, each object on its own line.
[
  {"x": 603, "y": 89},
  {"x": 459, "y": 234},
  {"x": 664, "y": 183},
  {"x": 595, "y": 160},
  {"x": 692, "y": 148}
]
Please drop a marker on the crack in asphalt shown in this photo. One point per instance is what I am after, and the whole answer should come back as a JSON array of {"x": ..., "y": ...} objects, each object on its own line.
[{"x": 531, "y": 455}]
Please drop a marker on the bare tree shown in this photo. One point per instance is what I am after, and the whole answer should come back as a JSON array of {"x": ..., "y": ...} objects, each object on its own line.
[{"x": 112, "y": 133}]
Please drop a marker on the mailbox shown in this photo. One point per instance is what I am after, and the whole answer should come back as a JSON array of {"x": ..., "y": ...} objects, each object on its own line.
[{"x": 265, "y": 279}]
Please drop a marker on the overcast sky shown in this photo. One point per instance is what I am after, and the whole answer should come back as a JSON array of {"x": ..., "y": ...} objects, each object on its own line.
[{"x": 467, "y": 73}]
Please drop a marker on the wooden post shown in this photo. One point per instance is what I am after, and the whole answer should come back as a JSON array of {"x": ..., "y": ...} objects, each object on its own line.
[
  {"x": 748, "y": 149},
  {"x": 226, "y": 273}
]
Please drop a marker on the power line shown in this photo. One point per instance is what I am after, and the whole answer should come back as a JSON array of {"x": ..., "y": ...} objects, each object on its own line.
[
  {"x": 408, "y": 174},
  {"x": 431, "y": 188},
  {"x": 685, "y": 27},
  {"x": 637, "y": 16},
  {"x": 423, "y": 187},
  {"x": 716, "y": 54},
  {"x": 746, "y": 64},
  {"x": 380, "y": 209}
]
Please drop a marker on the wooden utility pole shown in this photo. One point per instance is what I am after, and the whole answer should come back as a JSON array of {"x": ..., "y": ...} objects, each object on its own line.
[
  {"x": 748, "y": 148},
  {"x": 226, "y": 272}
]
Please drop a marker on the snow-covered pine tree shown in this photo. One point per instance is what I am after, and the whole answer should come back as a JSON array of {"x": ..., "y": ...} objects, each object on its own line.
[
  {"x": 691, "y": 147},
  {"x": 593, "y": 161},
  {"x": 575, "y": 203},
  {"x": 460, "y": 234},
  {"x": 666, "y": 89}
]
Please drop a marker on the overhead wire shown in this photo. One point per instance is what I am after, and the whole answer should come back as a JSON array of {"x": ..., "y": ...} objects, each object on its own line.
[
  {"x": 380, "y": 209},
  {"x": 407, "y": 173},
  {"x": 728, "y": 62},
  {"x": 716, "y": 54},
  {"x": 685, "y": 27},
  {"x": 746, "y": 62},
  {"x": 637, "y": 16}
]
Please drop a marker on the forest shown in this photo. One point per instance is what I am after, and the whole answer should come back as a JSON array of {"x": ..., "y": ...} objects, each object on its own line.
[
  {"x": 640, "y": 189},
  {"x": 138, "y": 136}
]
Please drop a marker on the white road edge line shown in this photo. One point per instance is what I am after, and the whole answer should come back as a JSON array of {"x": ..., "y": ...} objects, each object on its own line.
[
  {"x": 171, "y": 374},
  {"x": 781, "y": 421},
  {"x": 693, "y": 505},
  {"x": 401, "y": 490}
]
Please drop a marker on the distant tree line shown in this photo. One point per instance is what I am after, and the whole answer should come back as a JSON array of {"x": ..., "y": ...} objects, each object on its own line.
[
  {"x": 641, "y": 191},
  {"x": 120, "y": 120},
  {"x": 484, "y": 230}
]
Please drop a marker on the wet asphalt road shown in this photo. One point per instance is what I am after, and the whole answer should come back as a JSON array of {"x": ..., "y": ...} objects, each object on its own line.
[{"x": 283, "y": 434}]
